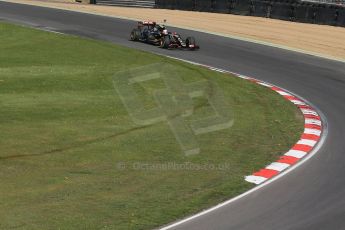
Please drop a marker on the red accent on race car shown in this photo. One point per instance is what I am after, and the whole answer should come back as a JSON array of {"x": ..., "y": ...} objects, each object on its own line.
[{"x": 148, "y": 22}]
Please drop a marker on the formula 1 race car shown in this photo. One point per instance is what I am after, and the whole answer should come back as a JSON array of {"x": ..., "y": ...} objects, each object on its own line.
[
  {"x": 155, "y": 34},
  {"x": 174, "y": 40},
  {"x": 147, "y": 31}
]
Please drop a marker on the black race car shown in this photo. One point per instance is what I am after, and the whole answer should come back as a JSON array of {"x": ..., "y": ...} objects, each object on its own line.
[
  {"x": 174, "y": 40},
  {"x": 147, "y": 31},
  {"x": 153, "y": 33}
]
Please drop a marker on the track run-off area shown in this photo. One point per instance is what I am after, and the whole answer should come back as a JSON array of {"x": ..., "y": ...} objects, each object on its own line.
[{"x": 310, "y": 196}]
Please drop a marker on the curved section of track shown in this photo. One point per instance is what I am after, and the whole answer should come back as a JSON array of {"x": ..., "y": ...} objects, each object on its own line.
[{"x": 309, "y": 197}]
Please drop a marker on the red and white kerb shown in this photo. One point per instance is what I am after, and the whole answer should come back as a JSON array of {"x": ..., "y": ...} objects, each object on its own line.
[{"x": 309, "y": 138}]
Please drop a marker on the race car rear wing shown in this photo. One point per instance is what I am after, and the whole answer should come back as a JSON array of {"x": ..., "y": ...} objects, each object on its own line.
[{"x": 146, "y": 23}]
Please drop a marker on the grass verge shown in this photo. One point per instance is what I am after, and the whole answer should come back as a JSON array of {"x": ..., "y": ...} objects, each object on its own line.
[{"x": 73, "y": 158}]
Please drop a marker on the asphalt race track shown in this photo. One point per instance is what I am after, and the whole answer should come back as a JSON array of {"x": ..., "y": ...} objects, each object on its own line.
[{"x": 310, "y": 197}]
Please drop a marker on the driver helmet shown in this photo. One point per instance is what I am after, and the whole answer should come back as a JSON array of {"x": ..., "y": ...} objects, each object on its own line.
[{"x": 165, "y": 32}]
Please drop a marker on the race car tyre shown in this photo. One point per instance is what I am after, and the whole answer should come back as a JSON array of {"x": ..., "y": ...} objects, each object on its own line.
[
  {"x": 135, "y": 35},
  {"x": 166, "y": 42},
  {"x": 190, "y": 42}
]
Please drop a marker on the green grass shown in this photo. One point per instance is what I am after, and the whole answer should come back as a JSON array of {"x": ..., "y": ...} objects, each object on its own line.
[{"x": 64, "y": 131}]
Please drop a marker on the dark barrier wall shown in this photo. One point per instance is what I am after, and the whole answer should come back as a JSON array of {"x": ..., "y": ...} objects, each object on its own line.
[
  {"x": 291, "y": 10},
  {"x": 222, "y": 6},
  {"x": 240, "y": 7},
  {"x": 203, "y": 5}
]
